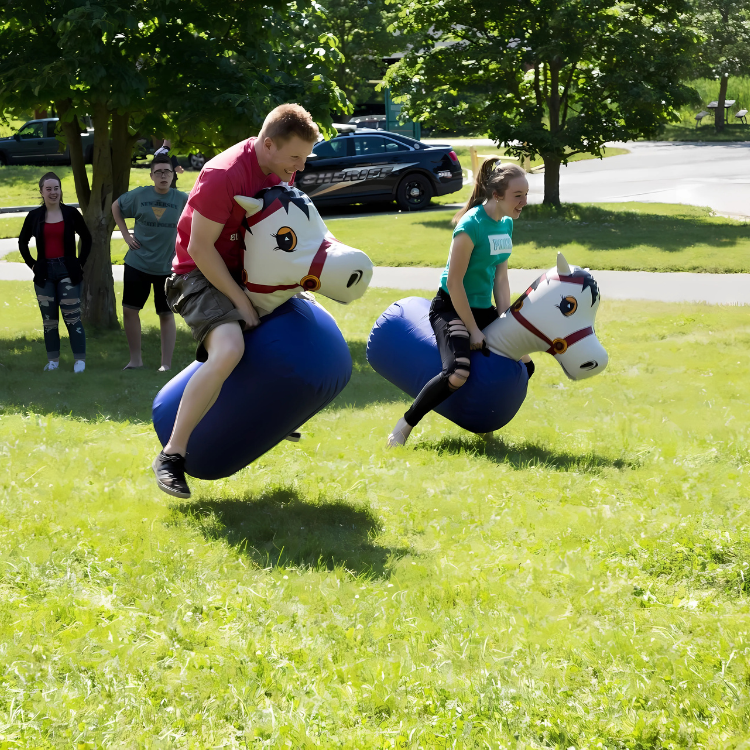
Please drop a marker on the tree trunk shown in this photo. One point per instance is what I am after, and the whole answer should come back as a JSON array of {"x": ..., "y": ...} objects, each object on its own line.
[
  {"x": 73, "y": 137},
  {"x": 99, "y": 308},
  {"x": 719, "y": 117},
  {"x": 122, "y": 152},
  {"x": 551, "y": 180},
  {"x": 552, "y": 161}
]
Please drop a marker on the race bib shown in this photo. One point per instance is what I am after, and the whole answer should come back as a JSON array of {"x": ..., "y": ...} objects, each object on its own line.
[{"x": 500, "y": 243}]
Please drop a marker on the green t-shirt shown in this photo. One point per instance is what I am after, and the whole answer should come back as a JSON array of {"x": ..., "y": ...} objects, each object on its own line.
[
  {"x": 492, "y": 246},
  {"x": 156, "y": 218}
]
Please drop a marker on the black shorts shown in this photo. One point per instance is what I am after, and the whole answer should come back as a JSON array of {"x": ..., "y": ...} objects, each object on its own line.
[
  {"x": 138, "y": 286},
  {"x": 202, "y": 306},
  {"x": 450, "y": 347}
]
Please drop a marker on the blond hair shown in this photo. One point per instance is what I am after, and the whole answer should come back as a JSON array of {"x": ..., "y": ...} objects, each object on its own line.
[
  {"x": 493, "y": 177},
  {"x": 288, "y": 120}
]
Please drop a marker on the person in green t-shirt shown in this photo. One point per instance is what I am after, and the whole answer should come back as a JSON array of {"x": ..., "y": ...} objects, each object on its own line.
[
  {"x": 477, "y": 266},
  {"x": 148, "y": 262}
]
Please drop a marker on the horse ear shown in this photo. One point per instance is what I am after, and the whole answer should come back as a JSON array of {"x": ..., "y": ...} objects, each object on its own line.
[
  {"x": 563, "y": 269},
  {"x": 251, "y": 205}
]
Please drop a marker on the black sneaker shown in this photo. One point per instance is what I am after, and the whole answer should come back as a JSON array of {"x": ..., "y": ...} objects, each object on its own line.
[{"x": 170, "y": 474}]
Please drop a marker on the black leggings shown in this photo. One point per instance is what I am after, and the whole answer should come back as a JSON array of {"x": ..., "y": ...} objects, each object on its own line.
[{"x": 455, "y": 350}]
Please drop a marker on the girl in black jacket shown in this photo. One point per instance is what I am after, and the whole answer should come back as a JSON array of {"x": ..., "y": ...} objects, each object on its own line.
[{"x": 58, "y": 273}]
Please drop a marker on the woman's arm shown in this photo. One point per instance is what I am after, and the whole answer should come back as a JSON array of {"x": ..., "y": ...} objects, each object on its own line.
[
  {"x": 502, "y": 288},
  {"x": 461, "y": 249},
  {"x": 83, "y": 232},
  {"x": 23, "y": 241},
  {"x": 502, "y": 294}
]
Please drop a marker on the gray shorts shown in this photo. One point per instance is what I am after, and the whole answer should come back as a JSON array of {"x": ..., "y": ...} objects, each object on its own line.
[{"x": 201, "y": 304}]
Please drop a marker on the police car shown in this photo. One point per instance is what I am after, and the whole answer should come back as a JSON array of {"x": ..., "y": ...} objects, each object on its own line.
[{"x": 366, "y": 165}]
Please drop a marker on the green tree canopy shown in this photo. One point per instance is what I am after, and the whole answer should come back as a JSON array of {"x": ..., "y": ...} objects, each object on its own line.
[
  {"x": 204, "y": 73},
  {"x": 360, "y": 31},
  {"x": 725, "y": 50},
  {"x": 546, "y": 77}
]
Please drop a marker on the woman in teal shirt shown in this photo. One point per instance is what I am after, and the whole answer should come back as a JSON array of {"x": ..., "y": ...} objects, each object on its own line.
[{"x": 477, "y": 266}]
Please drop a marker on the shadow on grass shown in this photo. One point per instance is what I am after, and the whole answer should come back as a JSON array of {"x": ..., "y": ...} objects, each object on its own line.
[
  {"x": 104, "y": 390},
  {"x": 283, "y": 528},
  {"x": 524, "y": 455},
  {"x": 366, "y": 387},
  {"x": 601, "y": 229}
]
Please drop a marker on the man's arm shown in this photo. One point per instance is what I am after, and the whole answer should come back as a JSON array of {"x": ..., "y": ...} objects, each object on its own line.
[
  {"x": 203, "y": 236},
  {"x": 130, "y": 241}
]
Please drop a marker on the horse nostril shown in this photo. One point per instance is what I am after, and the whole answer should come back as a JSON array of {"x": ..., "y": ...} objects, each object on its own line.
[
  {"x": 590, "y": 365},
  {"x": 355, "y": 278}
]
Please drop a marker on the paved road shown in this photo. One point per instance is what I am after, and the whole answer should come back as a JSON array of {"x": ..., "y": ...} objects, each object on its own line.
[
  {"x": 668, "y": 287},
  {"x": 699, "y": 174}
]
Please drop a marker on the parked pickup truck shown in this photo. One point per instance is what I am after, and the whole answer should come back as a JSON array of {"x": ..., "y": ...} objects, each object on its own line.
[{"x": 35, "y": 143}]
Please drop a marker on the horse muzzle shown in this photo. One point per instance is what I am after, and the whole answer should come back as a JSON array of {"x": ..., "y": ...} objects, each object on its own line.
[
  {"x": 346, "y": 274},
  {"x": 584, "y": 359}
]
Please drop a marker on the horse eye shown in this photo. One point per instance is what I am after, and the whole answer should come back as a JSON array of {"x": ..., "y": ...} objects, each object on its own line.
[
  {"x": 286, "y": 239},
  {"x": 568, "y": 306}
]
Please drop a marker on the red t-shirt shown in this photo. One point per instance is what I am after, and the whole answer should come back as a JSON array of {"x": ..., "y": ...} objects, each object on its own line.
[
  {"x": 53, "y": 240},
  {"x": 233, "y": 172}
]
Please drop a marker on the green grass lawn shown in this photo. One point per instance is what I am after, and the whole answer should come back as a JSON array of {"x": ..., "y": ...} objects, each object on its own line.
[
  {"x": 625, "y": 236},
  {"x": 706, "y": 132},
  {"x": 620, "y": 236},
  {"x": 19, "y": 184},
  {"x": 579, "y": 581}
]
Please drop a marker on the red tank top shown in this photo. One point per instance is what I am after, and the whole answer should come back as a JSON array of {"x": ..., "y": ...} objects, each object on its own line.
[{"x": 53, "y": 240}]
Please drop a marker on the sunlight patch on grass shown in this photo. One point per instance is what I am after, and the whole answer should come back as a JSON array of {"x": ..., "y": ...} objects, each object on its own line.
[
  {"x": 578, "y": 581},
  {"x": 617, "y": 236}
]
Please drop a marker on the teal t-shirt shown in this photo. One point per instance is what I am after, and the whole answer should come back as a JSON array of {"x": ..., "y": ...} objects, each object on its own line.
[
  {"x": 493, "y": 245},
  {"x": 156, "y": 218}
]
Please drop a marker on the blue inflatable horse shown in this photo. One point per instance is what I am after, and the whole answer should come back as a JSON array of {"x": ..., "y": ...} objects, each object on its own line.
[
  {"x": 296, "y": 361},
  {"x": 555, "y": 315}
]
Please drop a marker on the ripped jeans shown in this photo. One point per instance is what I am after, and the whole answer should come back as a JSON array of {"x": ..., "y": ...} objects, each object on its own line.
[
  {"x": 59, "y": 293},
  {"x": 455, "y": 352}
]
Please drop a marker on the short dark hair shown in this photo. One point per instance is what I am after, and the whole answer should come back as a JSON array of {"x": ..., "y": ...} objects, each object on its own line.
[
  {"x": 160, "y": 159},
  {"x": 289, "y": 120}
]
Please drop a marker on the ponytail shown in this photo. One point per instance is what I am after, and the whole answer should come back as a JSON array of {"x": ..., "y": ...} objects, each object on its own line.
[{"x": 493, "y": 177}]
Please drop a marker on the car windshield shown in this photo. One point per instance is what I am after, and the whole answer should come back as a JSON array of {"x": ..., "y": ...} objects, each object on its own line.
[
  {"x": 366, "y": 145},
  {"x": 32, "y": 130},
  {"x": 330, "y": 149}
]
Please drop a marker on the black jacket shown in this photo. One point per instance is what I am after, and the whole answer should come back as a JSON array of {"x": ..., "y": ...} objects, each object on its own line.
[{"x": 33, "y": 226}]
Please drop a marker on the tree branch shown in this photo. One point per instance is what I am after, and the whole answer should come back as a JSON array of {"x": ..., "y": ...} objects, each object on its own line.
[
  {"x": 565, "y": 98},
  {"x": 72, "y": 133},
  {"x": 537, "y": 89}
]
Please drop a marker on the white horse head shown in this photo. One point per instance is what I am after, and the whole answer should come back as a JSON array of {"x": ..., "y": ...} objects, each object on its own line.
[
  {"x": 555, "y": 314},
  {"x": 288, "y": 249}
]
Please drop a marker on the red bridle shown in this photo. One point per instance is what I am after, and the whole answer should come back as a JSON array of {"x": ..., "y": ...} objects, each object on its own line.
[
  {"x": 556, "y": 346},
  {"x": 310, "y": 283}
]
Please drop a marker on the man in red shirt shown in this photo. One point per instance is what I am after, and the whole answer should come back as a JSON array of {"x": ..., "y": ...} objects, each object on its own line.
[{"x": 205, "y": 286}]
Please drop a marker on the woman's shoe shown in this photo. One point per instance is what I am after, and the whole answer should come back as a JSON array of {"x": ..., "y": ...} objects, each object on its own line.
[
  {"x": 51, "y": 366},
  {"x": 79, "y": 365},
  {"x": 400, "y": 434}
]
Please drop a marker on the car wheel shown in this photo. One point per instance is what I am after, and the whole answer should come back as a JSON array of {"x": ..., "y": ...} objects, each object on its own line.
[
  {"x": 196, "y": 161},
  {"x": 3, "y": 160},
  {"x": 413, "y": 193}
]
